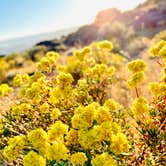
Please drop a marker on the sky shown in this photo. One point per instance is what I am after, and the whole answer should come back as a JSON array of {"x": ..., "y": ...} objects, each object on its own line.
[{"x": 26, "y": 17}]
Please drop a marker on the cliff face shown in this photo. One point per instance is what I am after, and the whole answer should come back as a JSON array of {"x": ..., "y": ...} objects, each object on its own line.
[
  {"x": 108, "y": 15},
  {"x": 150, "y": 15}
]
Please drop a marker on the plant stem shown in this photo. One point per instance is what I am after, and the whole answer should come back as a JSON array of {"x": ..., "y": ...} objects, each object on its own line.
[
  {"x": 159, "y": 63},
  {"x": 136, "y": 90}
]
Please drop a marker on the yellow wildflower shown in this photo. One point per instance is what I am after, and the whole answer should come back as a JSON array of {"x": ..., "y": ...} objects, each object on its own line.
[
  {"x": 23, "y": 108},
  {"x": 64, "y": 79},
  {"x": 112, "y": 105},
  {"x": 105, "y": 45},
  {"x": 57, "y": 152},
  {"x": 72, "y": 137},
  {"x": 140, "y": 106},
  {"x": 88, "y": 141},
  {"x": 78, "y": 158},
  {"x": 55, "y": 113},
  {"x": 16, "y": 145},
  {"x": 135, "y": 79},
  {"x": 137, "y": 65},
  {"x": 159, "y": 49},
  {"x": 5, "y": 90},
  {"x": 39, "y": 137},
  {"x": 83, "y": 117},
  {"x": 57, "y": 130},
  {"x": 110, "y": 71},
  {"x": 119, "y": 143},
  {"x": 157, "y": 89},
  {"x": 103, "y": 159},
  {"x": 44, "y": 107},
  {"x": 102, "y": 115},
  {"x": 34, "y": 159},
  {"x": 106, "y": 128},
  {"x": 20, "y": 79}
]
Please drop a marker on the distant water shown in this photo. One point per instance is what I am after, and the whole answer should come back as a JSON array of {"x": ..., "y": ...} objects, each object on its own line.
[{"x": 20, "y": 44}]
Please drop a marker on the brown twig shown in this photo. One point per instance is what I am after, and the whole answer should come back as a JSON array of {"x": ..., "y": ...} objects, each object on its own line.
[{"x": 136, "y": 90}]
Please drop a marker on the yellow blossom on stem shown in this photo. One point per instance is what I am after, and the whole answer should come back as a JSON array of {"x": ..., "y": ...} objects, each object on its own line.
[
  {"x": 34, "y": 159},
  {"x": 103, "y": 159},
  {"x": 112, "y": 105},
  {"x": 102, "y": 115},
  {"x": 57, "y": 130},
  {"x": 119, "y": 143},
  {"x": 72, "y": 137},
  {"x": 39, "y": 137},
  {"x": 20, "y": 79},
  {"x": 15, "y": 146},
  {"x": 140, "y": 106},
  {"x": 5, "y": 90},
  {"x": 137, "y": 65},
  {"x": 105, "y": 45},
  {"x": 159, "y": 49},
  {"x": 135, "y": 79},
  {"x": 64, "y": 79},
  {"x": 78, "y": 158},
  {"x": 83, "y": 117},
  {"x": 57, "y": 152},
  {"x": 55, "y": 113},
  {"x": 157, "y": 89},
  {"x": 44, "y": 107}
]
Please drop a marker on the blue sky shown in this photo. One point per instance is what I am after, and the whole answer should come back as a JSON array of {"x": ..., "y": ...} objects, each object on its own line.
[{"x": 25, "y": 17}]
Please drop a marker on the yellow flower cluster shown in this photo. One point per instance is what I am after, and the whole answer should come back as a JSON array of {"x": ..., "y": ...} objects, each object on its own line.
[
  {"x": 55, "y": 95},
  {"x": 44, "y": 107},
  {"x": 78, "y": 158},
  {"x": 119, "y": 143},
  {"x": 20, "y": 79},
  {"x": 159, "y": 49},
  {"x": 16, "y": 145},
  {"x": 102, "y": 114},
  {"x": 112, "y": 105},
  {"x": 72, "y": 137},
  {"x": 105, "y": 45},
  {"x": 57, "y": 151},
  {"x": 81, "y": 54},
  {"x": 48, "y": 145},
  {"x": 135, "y": 79},
  {"x": 48, "y": 62},
  {"x": 34, "y": 159},
  {"x": 140, "y": 106},
  {"x": 103, "y": 159},
  {"x": 83, "y": 117},
  {"x": 5, "y": 90},
  {"x": 37, "y": 135},
  {"x": 137, "y": 67},
  {"x": 36, "y": 88},
  {"x": 23, "y": 108},
  {"x": 157, "y": 89},
  {"x": 55, "y": 113},
  {"x": 91, "y": 136},
  {"x": 64, "y": 79},
  {"x": 39, "y": 140},
  {"x": 100, "y": 71},
  {"x": 57, "y": 131}
]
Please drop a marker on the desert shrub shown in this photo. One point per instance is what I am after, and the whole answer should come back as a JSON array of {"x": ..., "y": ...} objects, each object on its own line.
[{"x": 63, "y": 114}]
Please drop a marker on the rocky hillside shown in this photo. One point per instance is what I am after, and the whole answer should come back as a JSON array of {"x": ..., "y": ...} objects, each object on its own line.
[
  {"x": 149, "y": 15},
  {"x": 131, "y": 27}
]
